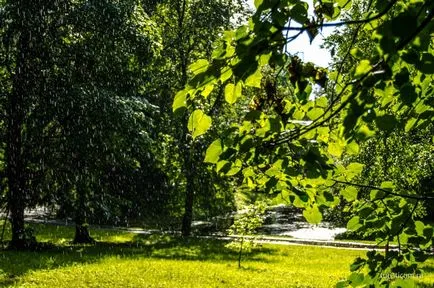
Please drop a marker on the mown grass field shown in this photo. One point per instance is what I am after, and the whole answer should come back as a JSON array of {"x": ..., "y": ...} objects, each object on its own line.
[{"x": 122, "y": 259}]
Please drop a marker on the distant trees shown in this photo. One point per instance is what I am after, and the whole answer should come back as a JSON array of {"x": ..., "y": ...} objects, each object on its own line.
[
  {"x": 74, "y": 108},
  {"x": 188, "y": 29},
  {"x": 86, "y": 96}
]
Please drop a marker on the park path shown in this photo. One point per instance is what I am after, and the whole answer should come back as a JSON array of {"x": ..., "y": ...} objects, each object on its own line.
[{"x": 304, "y": 236}]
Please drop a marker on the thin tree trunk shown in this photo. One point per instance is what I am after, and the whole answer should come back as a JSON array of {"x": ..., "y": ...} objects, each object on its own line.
[
  {"x": 240, "y": 252},
  {"x": 188, "y": 205},
  {"x": 186, "y": 142},
  {"x": 189, "y": 173}
]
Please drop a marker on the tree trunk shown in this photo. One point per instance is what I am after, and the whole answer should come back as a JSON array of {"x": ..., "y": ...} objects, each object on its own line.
[
  {"x": 240, "y": 252},
  {"x": 188, "y": 206},
  {"x": 188, "y": 167},
  {"x": 15, "y": 167},
  {"x": 186, "y": 141},
  {"x": 82, "y": 235},
  {"x": 14, "y": 170}
]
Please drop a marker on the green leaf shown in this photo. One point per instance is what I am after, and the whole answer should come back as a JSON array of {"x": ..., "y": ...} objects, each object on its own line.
[
  {"x": 241, "y": 32},
  {"x": 419, "y": 227},
  {"x": 376, "y": 194},
  {"x": 330, "y": 11},
  {"x": 364, "y": 132},
  {"x": 180, "y": 100},
  {"x": 232, "y": 92},
  {"x": 387, "y": 185},
  {"x": 223, "y": 166},
  {"x": 344, "y": 4},
  {"x": 254, "y": 80},
  {"x": 349, "y": 193},
  {"x": 299, "y": 12},
  {"x": 386, "y": 122},
  {"x": 229, "y": 93},
  {"x": 354, "y": 223},
  {"x": 353, "y": 148},
  {"x": 357, "y": 264},
  {"x": 355, "y": 167},
  {"x": 198, "y": 123},
  {"x": 258, "y": 3},
  {"x": 208, "y": 89},
  {"x": 342, "y": 284},
  {"x": 312, "y": 215},
  {"x": 408, "y": 94},
  {"x": 323, "y": 134},
  {"x": 363, "y": 68},
  {"x": 410, "y": 124},
  {"x": 226, "y": 74},
  {"x": 321, "y": 102},
  {"x": 356, "y": 279},
  {"x": 234, "y": 168},
  {"x": 426, "y": 64},
  {"x": 335, "y": 149},
  {"x": 199, "y": 66},
  {"x": 213, "y": 152},
  {"x": 315, "y": 113},
  {"x": 264, "y": 59}
]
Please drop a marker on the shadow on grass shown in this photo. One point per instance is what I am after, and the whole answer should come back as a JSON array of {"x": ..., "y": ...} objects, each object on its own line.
[{"x": 14, "y": 264}]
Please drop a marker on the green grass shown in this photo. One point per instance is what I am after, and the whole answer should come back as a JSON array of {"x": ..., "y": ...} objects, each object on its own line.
[{"x": 123, "y": 259}]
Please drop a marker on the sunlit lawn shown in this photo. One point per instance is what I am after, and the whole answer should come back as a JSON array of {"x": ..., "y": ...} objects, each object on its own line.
[{"x": 123, "y": 259}]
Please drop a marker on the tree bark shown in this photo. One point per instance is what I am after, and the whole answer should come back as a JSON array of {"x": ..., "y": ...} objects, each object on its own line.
[
  {"x": 188, "y": 204},
  {"x": 15, "y": 166},
  {"x": 15, "y": 171},
  {"x": 186, "y": 142},
  {"x": 82, "y": 235}
]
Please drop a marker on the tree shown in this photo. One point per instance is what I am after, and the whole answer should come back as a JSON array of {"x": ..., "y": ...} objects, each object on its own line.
[
  {"x": 24, "y": 57},
  {"x": 245, "y": 226},
  {"x": 72, "y": 87},
  {"x": 295, "y": 147},
  {"x": 188, "y": 30},
  {"x": 110, "y": 44}
]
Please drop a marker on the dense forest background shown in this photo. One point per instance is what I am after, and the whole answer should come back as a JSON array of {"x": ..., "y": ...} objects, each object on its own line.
[{"x": 87, "y": 126}]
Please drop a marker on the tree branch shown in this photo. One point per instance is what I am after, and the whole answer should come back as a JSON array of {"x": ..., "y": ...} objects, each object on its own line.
[
  {"x": 388, "y": 192},
  {"x": 343, "y": 23}
]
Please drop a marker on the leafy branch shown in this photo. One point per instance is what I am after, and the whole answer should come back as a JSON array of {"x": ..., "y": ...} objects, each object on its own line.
[
  {"x": 343, "y": 23},
  {"x": 388, "y": 192},
  {"x": 318, "y": 122}
]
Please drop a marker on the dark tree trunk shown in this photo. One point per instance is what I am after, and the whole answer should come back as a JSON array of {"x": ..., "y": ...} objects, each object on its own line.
[
  {"x": 188, "y": 167},
  {"x": 82, "y": 235},
  {"x": 187, "y": 143},
  {"x": 15, "y": 166},
  {"x": 188, "y": 207},
  {"x": 14, "y": 169}
]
